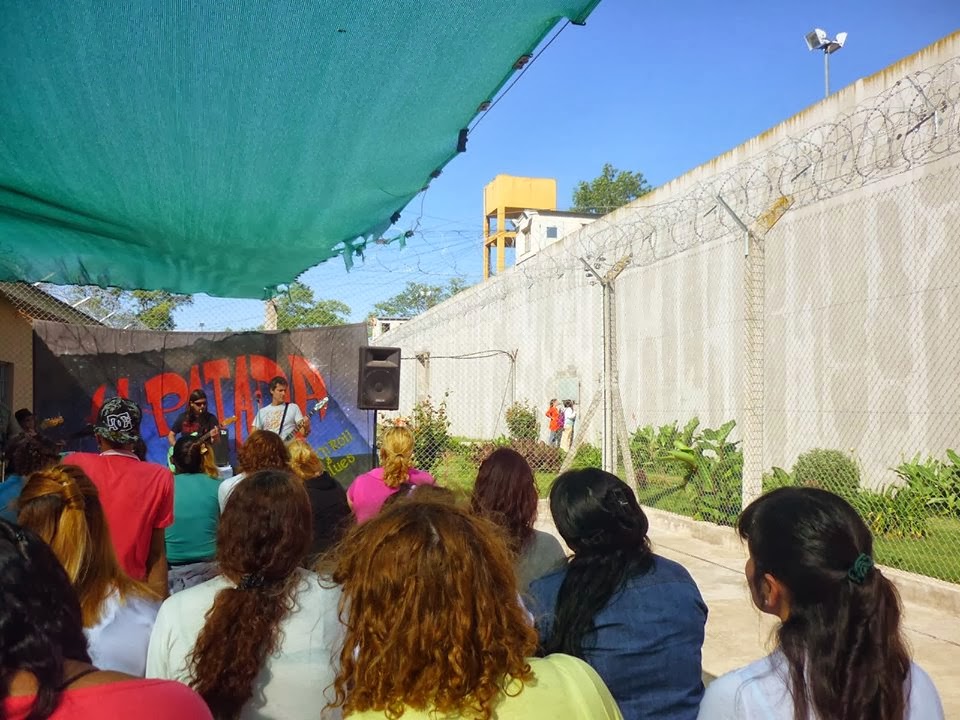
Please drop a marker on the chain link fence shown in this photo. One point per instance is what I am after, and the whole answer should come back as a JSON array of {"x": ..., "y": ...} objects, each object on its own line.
[{"x": 787, "y": 315}]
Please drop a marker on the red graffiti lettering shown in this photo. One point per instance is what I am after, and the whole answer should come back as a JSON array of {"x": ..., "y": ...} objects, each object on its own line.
[
  {"x": 156, "y": 389},
  {"x": 213, "y": 372},
  {"x": 242, "y": 401},
  {"x": 304, "y": 373}
]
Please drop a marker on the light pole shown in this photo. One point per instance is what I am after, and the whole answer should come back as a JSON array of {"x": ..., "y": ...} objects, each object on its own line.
[{"x": 818, "y": 39}]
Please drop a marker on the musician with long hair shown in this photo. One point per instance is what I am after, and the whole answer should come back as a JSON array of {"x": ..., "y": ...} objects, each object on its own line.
[
  {"x": 636, "y": 617},
  {"x": 434, "y": 629},
  {"x": 259, "y": 640},
  {"x": 195, "y": 420},
  {"x": 840, "y": 648},
  {"x": 62, "y": 505}
]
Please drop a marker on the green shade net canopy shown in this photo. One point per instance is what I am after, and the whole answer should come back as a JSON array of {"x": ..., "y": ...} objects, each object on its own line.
[{"x": 225, "y": 147}]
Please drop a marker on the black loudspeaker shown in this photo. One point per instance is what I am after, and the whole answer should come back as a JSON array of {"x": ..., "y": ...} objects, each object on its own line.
[
  {"x": 379, "y": 379},
  {"x": 221, "y": 450}
]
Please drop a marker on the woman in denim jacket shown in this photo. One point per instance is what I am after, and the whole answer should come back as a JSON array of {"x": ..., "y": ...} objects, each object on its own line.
[{"x": 636, "y": 617}]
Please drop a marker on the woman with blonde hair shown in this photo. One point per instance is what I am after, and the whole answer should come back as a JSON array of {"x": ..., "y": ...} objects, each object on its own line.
[
  {"x": 452, "y": 643},
  {"x": 62, "y": 505},
  {"x": 263, "y": 450},
  {"x": 328, "y": 500},
  {"x": 368, "y": 492}
]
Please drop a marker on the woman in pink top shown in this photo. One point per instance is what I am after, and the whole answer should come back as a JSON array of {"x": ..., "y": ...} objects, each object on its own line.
[
  {"x": 369, "y": 491},
  {"x": 47, "y": 671}
]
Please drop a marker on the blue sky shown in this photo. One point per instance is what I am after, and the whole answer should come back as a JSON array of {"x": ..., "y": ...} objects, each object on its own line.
[{"x": 654, "y": 87}]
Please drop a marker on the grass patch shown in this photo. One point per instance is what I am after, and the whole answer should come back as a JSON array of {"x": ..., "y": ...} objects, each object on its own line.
[
  {"x": 455, "y": 471},
  {"x": 934, "y": 556}
]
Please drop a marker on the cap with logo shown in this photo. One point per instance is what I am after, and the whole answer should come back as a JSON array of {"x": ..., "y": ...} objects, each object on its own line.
[{"x": 118, "y": 421}]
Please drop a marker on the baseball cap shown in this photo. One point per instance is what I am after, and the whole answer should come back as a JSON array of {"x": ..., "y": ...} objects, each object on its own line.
[{"x": 118, "y": 421}]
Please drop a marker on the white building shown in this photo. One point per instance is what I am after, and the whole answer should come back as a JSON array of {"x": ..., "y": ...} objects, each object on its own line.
[{"x": 536, "y": 229}]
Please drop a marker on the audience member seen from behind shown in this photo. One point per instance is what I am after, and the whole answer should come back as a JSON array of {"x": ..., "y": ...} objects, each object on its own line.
[
  {"x": 263, "y": 450},
  {"x": 137, "y": 496},
  {"x": 259, "y": 640},
  {"x": 636, "y": 617},
  {"x": 328, "y": 500},
  {"x": 63, "y": 507},
  {"x": 28, "y": 453},
  {"x": 840, "y": 651},
  {"x": 434, "y": 630},
  {"x": 368, "y": 491},
  {"x": 506, "y": 493},
  {"x": 192, "y": 539},
  {"x": 47, "y": 671}
]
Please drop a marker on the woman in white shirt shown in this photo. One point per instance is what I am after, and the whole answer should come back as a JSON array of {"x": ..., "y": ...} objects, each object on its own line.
[
  {"x": 257, "y": 641},
  {"x": 62, "y": 505},
  {"x": 841, "y": 653}
]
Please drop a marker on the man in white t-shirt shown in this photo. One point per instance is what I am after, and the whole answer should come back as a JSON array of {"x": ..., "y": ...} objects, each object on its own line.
[{"x": 280, "y": 416}]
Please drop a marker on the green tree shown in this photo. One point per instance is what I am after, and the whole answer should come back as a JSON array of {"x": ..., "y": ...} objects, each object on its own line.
[
  {"x": 417, "y": 297},
  {"x": 610, "y": 190},
  {"x": 152, "y": 309},
  {"x": 298, "y": 308}
]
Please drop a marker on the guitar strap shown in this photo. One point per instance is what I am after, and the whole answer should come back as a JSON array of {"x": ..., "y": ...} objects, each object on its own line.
[{"x": 283, "y": 417}]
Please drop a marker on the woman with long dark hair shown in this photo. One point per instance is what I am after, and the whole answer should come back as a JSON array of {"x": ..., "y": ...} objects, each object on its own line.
[
  {"x": 636, "y": 617},
  {"x": 192, "y": 539},
  {"x": 506, "y": 493},
  {"x": 45, "y": 669},
  {"x": 62, "y": 505},
  {"x": 257, "y": 641},
  {"x": 433, "y": 632},
  {"x": 840, "y": 648}
]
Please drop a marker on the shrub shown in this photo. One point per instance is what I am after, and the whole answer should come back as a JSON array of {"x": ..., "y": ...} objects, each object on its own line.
[
  {"x": 830, "y": 470},
  {"x": 539, "y": 455},
  {"x": 896, "y": 512},
  {"x": 431, "y": 432},
  {"x": 588, "y": 456},
  {"x": 777, "y": 478},
  {"x": 522, "y": 422},
  {"x": 714, "y": 474},
  {"x": 938, "y": 482}
]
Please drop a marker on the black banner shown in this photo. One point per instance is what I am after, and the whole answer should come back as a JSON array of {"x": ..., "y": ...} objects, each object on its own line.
[{"x": 77, "y": 367}]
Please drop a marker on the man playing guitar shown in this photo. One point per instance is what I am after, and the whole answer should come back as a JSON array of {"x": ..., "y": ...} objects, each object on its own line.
[
  {"x": 196, "y": 420},
  {"x": 280, "y": 416}
]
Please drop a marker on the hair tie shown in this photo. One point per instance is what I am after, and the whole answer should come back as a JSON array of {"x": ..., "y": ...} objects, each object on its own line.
[
  {"x": 861, "y": 566},
  {"x": 252, "y": 581}
]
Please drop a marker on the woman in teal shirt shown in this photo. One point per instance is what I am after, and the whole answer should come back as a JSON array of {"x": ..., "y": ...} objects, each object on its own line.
[{"x": 192, "y": 539}]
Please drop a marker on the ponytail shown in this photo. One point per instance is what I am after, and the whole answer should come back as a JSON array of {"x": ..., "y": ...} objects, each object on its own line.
[
  {"x": 396, "y": 456},
  {"x": 842, "y": 639},
  {"x": 62, "y": 505}
]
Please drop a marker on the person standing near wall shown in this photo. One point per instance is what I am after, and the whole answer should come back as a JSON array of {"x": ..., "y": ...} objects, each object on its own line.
[
  {"x": 553, "y": 412},
  {"x": 569, "y": 418}
]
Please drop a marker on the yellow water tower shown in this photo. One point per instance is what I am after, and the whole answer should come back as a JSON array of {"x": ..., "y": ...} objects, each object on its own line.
[{"x": 504, "y": 198}]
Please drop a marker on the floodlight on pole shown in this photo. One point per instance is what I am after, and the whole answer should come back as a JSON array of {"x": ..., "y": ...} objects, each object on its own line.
[{"x": 817, "y": 39}]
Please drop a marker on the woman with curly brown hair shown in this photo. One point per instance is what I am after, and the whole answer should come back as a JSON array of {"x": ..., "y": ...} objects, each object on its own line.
[
  {"x": 263, "y": 450},
  {"x": 259, "y": 640},
  {"x": 369, "y": 491},
  {"x": 62, "y": 505},
  {"x": 505, "y": 492},
  {"x": 433, "y": 629}
]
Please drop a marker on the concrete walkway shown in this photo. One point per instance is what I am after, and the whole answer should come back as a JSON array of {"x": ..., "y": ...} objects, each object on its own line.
[{"x": 737, "y": 633}]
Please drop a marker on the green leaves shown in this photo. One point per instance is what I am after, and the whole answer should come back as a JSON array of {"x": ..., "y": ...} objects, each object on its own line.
[
  {"x": 610, "y": 190},
  {"x": 416, "y": 298},
  {"x": 297, "y": 308}
]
